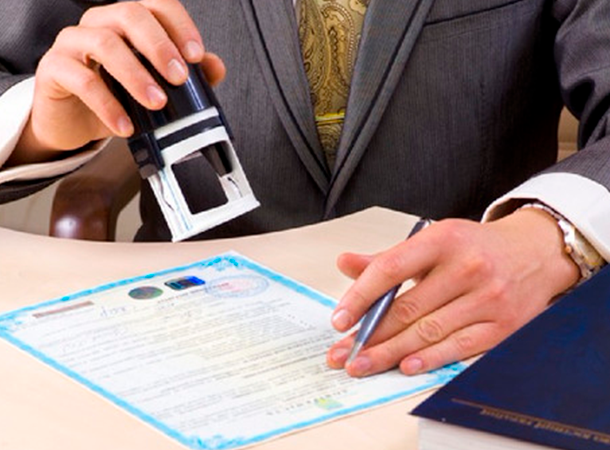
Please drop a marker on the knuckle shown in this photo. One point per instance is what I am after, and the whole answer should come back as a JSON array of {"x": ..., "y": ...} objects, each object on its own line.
[
  {"x": 161, "y": 3},
  {"x": 476, "y": 266},
  {"x": 452, "y": 230},
  {"x": 162, "y": 48},
  {"x": 88, "y": 16},
  {"x": 105, "y": 40},
  {"x": 498, "y": 291},
  {"x": 66, "y": 35},
  {"x": 123, "y": 14},
  {"x": 108, "y": 105},
  {"x": 48, "y": 69},
  {"x": 358, "y": 298},
  {"x": 388, "y": 356},
  {"x": 132, "y": 11},
  {"x": 87, "y": 82},
  {"x": 385, "y": 355},
  {"x": 389, "y": 265},
  {"x": 153, "y": 3},
  {"x": 430, "y": 330},
  {"x": 465, "y": 343},
  {"x": 405, "y": 311}
]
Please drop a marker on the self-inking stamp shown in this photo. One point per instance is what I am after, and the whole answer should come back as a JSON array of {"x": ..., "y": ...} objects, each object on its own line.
[{"x": 191, "y": 125}]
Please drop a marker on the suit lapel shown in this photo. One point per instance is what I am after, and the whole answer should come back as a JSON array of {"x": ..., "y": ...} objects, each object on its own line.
[
  {"x": 390, "y": 30},
  {"x": 272, "y": 25}
]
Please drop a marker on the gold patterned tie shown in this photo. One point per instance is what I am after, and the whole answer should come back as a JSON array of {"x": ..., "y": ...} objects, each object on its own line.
[{"x": 329, "y": 31}]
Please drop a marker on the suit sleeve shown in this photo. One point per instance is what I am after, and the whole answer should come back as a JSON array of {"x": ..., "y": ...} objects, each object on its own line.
[
  {"x": 27, "y": 30},
  {"x": 579, "y": 186}
]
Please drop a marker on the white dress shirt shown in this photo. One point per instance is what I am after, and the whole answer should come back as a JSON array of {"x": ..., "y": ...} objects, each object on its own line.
[{"x": 15, "y": 106}]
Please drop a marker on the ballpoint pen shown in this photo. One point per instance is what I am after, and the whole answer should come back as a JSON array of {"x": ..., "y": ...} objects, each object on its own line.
[{"x": 379, "y": 308}]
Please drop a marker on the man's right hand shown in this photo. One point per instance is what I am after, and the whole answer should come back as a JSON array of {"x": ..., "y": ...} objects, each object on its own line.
[{"x": 72, "y": 104}]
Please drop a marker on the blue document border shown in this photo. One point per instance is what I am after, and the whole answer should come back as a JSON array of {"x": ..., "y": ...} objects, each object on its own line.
[{"x": 442, "y": 376}]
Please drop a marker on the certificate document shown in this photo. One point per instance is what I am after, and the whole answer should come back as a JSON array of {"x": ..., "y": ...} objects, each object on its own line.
[{"x": 219, "y": 354}]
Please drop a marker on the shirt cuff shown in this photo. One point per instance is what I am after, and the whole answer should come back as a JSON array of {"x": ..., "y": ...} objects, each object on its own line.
[
  {"x": 581, "y": 200},
  {"x": 15, "y": 107}
]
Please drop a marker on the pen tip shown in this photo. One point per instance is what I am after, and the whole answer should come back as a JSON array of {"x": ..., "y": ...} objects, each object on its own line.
[{"x": 355, "y": 350}]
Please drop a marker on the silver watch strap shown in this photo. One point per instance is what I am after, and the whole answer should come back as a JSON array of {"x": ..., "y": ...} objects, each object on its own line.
[{"x": 577, "y": 247}]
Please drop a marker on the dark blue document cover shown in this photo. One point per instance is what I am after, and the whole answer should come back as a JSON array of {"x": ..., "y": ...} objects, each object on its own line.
[{"x": 548, "y": 383}]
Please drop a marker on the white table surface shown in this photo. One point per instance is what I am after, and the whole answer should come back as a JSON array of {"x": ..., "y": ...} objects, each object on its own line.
[{"x": 41, "y": 409}]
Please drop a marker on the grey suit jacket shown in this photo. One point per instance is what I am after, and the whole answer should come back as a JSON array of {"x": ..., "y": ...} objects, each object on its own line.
[{"x": 453, "y": 103}]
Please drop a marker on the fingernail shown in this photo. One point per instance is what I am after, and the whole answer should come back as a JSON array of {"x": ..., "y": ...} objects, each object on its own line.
[
  {"x": 125, "y": 127},
  {"x": 339, "y": 355},
  {"x": 193, "y": 51},
  {"x": 413, "y": 366},
  {"x": 176, "y": 72},
  {"x": 361, "y": 366},
  {"x": 342, "y": 320},
  {"x": 156, "y": 96}
]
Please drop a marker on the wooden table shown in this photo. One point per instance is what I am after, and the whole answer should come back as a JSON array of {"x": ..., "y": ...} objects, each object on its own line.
[{"x": 42, "y": 409}]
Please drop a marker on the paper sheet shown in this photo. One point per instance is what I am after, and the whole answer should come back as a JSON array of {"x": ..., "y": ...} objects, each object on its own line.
[{"x": 219, "y": 354}]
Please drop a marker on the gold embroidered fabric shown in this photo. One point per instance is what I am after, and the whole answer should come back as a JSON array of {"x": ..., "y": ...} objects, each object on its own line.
[{"x": 330, "y": 31}]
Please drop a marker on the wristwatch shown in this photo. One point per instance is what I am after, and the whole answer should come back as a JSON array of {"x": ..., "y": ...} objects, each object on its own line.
[{"x": 577, "y": 247}]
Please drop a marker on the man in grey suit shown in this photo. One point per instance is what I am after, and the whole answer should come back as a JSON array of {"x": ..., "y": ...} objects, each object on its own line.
[{"x": 452, "y": 105}]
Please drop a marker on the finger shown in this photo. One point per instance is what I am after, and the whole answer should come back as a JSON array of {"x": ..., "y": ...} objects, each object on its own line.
[
  {"x": 434, "y": 291},
  {"x": 110, "y": 50},
  {"x": 403, "y": 261},
  {"x": 428, "y": 331},
  {"x": 338, "y": 353},
  {"x": 353, "y": 264},
  {"x": 180, "y": 27},
  {"x": 439, "y": 287},
  {"x": 214, "y": 68},
  {"x": 460, "y": 345},
  {"x": 71, "y": 77},
  {"x": 135, "y": 23}
]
